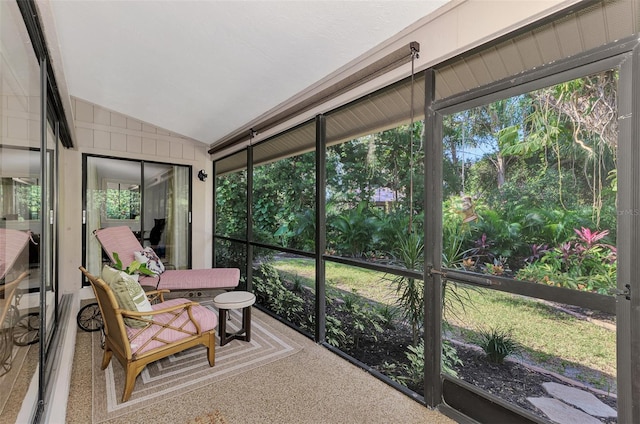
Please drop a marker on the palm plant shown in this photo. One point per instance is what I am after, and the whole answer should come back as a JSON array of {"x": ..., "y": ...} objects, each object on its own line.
[
  {"x": 355, "y": 229},
  {"x": 411, "y": 290}
]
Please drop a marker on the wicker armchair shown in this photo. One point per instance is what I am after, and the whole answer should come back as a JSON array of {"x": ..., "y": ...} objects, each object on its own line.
[{"x": 172, "y": 326}]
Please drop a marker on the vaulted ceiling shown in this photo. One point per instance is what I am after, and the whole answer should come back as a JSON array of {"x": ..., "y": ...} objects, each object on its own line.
[{"x": 204, "y": 68}]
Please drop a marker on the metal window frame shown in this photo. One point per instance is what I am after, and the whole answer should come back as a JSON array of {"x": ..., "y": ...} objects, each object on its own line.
[{"x": 625, "y": 56}]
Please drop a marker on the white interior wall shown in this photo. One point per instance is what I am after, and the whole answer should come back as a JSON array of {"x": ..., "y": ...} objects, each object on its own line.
[{"x": 104, "y": 132}]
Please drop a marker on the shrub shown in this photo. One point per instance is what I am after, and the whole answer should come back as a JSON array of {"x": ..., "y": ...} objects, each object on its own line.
[
  {"x": 363, "y": 320},
  {"x": 498, "y": 344},
  {"x": 388, "y": 314},
  {"x": 582, "y": 264},
  {"x": 333, "y": 332},
  {"x": 414, "y": 371},
  {"x": 450, "y": 358},
  {"x": 410, "y": 291},
  {"x": 270, "y": 292}
]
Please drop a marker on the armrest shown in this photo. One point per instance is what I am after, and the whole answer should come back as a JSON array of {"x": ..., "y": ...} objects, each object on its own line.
[
  {"x": 156, "y": 296},
  {"x": 176, "y": 310},
  {"x": 136, "y": 314}
]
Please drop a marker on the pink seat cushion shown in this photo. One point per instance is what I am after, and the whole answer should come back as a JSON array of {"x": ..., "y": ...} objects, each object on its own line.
[
  {"x": 207, "y": 319},
  {"x": 191, "y": 279}
]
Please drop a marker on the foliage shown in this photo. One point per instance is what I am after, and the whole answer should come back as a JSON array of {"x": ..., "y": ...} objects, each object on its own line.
[
  {"x": 230, "y": 255},
  {"x": 281, "y": 203},
  {"x": 26, "y": 203},
  {"x": 454, "y": 233},
  {"x": 410, "y": 291},
  {"x": 353, "y": 231},
  {"x": 270, "y": 292},
  {"x": 298, "y": 284},
  {"x": 415, "y": 369},
  {"x": 364, "y": 321},
  {"x": 388, "y": 314},
  {"x": 334, "y": 335},
  {"x": 413, "y": 372},
  {"x": 450, "y": 358},
  {"x": 583, "y": 264},
  {"x": 122, "y": 203},
  {"x": 134, "y": 267},
  {"x": 497, "y": 344},
  {"x": 231, "y": 207}
]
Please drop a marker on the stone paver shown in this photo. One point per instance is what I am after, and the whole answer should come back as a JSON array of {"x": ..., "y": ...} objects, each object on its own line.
[
  {"x": 562, "y": 413},
  {"x": 580, "y": 399}
]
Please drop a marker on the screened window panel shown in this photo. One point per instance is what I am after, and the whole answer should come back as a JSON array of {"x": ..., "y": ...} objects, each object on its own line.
[{"x": 231, "y": 196}]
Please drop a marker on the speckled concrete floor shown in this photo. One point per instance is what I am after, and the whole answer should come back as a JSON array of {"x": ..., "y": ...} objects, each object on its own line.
[{"x": 311, "y": 386}]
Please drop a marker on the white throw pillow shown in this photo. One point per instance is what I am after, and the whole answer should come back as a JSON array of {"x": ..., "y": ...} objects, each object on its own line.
[{"x": 148, "y": 256}]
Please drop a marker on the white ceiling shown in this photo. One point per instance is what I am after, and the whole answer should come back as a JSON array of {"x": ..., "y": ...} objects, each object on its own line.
[{"x": 206, "y": 68}]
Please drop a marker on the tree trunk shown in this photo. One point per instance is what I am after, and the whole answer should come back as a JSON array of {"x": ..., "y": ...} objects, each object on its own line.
[{"x": 501, "y": 168}]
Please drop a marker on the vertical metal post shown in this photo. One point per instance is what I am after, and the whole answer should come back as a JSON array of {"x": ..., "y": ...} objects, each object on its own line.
[
  {"x": 214, "y": 213},
  {"x": 249, "y": 218},
  {"x": 55, "y": 208},
  {"x": 44, "y": 230},
  {"x": 321, "y": 236},
  {"x": 432, "y": 245},
  {"x": 628, "y": 241},
  {"x": 142, "y": 202},
  {"x": 634, "y": 306}
]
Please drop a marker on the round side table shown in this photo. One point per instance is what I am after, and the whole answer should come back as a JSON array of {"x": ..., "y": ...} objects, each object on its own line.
[{"x": 234, "y": 300}]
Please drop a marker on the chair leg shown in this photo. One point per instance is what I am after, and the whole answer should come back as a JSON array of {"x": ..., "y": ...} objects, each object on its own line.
[
  {"x": 211, "y": 349},
  {"x": 131, "y": 373},
  {"x": 106, "y": 356}
]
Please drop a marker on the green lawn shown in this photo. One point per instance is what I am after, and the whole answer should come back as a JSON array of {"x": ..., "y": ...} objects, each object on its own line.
[
  {"x": 555, "y": 339},
  {"x": 552, "y": 339},
  {"x": 368, "y": 284}
]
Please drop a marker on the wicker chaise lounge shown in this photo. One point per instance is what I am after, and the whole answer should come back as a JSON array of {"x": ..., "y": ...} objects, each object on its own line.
[{"x": 122, "y": 240}]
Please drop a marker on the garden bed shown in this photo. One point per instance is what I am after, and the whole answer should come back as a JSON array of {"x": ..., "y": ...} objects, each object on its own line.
[{"x": 386, "y": 352}]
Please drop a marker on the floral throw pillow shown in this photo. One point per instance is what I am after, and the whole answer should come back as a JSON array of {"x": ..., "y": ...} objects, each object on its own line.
[{"x": 148, "y": 256}]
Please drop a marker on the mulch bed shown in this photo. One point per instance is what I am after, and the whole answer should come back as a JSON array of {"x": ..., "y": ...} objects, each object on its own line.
[{"x": 511, "y": 381}]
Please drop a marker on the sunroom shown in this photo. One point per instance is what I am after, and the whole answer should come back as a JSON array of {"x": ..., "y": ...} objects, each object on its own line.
[{"x": 451, "y": 209}]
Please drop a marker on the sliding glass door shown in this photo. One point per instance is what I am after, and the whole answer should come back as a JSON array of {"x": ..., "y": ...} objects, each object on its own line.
[
  {"x": 166, "y": 212},
  {"x": 152, "y": 199},
  {"x": 28, "y": 296}
]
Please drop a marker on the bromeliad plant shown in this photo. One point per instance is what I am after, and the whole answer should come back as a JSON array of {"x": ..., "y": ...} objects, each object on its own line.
[{"x": 585, "y": 264}]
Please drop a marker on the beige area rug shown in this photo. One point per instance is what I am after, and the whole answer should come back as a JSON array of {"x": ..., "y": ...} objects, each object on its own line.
[
  {"x": 211, "y": 418},
  {"x": 186, "y": 371}
]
